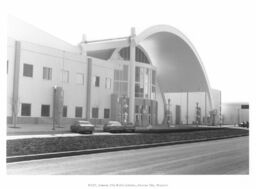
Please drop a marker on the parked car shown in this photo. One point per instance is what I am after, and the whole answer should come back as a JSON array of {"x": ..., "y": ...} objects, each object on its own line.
[
  {"x": 115, "y": 126},
  {"x": 244, "y": 124},
  {"x": 129, "y": 127},
  {"x": 82, "y": 126}
]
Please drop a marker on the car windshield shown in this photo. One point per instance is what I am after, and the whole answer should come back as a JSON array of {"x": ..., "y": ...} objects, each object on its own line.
[
  {"x": 114, "y": 123},
  {"x": 83, "y": 122}
]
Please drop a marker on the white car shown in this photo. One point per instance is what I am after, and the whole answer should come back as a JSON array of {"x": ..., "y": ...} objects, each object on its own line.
[{"x": 82, "y": 126}]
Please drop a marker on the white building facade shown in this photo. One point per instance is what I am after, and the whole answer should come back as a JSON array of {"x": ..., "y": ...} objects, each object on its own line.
[{"x": 128, "y": 79}]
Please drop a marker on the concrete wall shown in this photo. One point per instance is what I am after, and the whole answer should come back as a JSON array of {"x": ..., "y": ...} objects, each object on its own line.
[
  {"x": 101, "y": 96},
  {"x": 234, "y": 114}
]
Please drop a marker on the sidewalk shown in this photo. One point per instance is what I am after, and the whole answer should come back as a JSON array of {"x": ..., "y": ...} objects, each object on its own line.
[{"x": 40, "y": 129}]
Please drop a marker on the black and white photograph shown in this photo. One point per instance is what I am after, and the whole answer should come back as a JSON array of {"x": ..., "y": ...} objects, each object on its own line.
[{"x": 128, "y": 94}]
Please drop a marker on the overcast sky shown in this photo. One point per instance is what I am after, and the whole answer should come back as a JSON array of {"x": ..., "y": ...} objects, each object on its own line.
[{"x": 223, "y": 32}]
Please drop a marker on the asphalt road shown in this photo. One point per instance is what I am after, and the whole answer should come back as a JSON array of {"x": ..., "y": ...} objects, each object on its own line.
[{"x": 228, "y": 156}]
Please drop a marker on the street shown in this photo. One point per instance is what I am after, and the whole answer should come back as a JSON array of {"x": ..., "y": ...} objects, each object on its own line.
[{"x": 227, "y": 156}]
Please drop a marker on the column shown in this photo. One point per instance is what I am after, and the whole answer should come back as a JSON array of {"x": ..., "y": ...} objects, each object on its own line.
[
  {"x": 132, "y": 76},
  {"x": 88, "y": 87},
  {"x": 16, "y": 75}
]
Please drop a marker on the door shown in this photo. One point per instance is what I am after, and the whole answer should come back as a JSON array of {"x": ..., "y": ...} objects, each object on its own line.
[{"x": 177, "y": 114}]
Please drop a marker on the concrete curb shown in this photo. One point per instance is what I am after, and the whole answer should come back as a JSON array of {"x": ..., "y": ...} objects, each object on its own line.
[{"x": 11, "y": 159}]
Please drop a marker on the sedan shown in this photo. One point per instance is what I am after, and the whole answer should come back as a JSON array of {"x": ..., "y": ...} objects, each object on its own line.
[
  {"x": 82, "y": 126},
  {"x": 113, "y": 126}
]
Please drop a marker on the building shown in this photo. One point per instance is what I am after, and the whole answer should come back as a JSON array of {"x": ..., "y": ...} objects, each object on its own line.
[
  {"x": 235, "y": 113},
  {"x": 132, "y": 79}
]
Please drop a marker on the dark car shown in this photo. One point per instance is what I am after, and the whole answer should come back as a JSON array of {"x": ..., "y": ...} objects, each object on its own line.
[
  {"x": 113, "y": 126},
  {"x": 129, "y": 127},
  {"x": 82, "y": 126},
  {"x": 244, "y": 124}
]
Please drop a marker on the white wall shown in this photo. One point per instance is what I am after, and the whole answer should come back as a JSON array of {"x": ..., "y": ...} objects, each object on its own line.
[
  {"x": 232, "y": 113},
  {"x": 37, "y": 91},
  {"x": 11, "y": 59},
  {"x": 101, "y": 96}
]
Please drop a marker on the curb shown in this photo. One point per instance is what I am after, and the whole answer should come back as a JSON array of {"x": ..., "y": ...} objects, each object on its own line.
[{"x": 11, "y": 159}]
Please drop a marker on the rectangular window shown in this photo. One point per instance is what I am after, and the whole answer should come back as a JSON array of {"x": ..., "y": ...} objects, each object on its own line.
[
  {"x": 116, "y": 75},
  {"x": 137, "y": 74},
  {"x": 47, "y": 73},
  {"x": 95, "y": 112},
  {"x": 106, "y": 113},
  {"x": 65, "y": 111},
  {"x": 124, "y": 88},
  {"x": 80, "y": 78},
  {"x": 65, "y": 76},
  {"x": 153, "y": 77},
  {"x": 28, "y": 70},
  {"x": 79, "y": 111},
  {"x": 153, "y": 94},
  {"x": 108, "y": 83},
  {"x": 25, "y": 109},
  {"x": 96, "y": 81},
  {"x": 45, "y": 110},
  {"x": 137, "y": 109},
  {"x": 116, "y": 87},
  {"x": 125, "y": 73}
]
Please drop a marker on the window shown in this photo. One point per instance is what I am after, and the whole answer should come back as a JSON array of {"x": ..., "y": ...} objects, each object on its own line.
[
  {"x": 153, "y": 94},
  {"x": 79, "y": 111},
  {"x": 95, "y": 112},
  {"x": 139, "y": 90},
  {"x": 137, "y": 74},
  {"x": 47, "y": 73},
  {"x": 65, "y": 111},
  {"x": 106, "y": 113},
  {"x": 27, "y": 70},
  {"x": 65, "y": 76},
  {"x": 25, "y": 109},
  {"x": 108, "y": 83},
  {"x": 80, "y": 78},
  {"x": 96, "y": 81},
  {"x": 117, "y": 74},
  {"x": 125, "y": 73},
  {"x": 153, "y": 77},
  {"x": 137, "y": 109},
  {"x": 45, "y": 110}
]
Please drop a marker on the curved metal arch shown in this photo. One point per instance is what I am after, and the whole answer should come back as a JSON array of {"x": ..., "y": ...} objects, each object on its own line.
[
  {"x": 116, "y": 51},
  {"x": 173, "y": 31}
]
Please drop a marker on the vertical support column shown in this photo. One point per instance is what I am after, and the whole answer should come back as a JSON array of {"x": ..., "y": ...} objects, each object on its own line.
[
  {"x": 220, "y": 111},
  {"x": 205, "y": 108},
  {"x": 187, "y": 108},
  {"x": 16, "y": 75},
  {"x": 132, "y": 76},
  {"x": 88, "y": 86}
]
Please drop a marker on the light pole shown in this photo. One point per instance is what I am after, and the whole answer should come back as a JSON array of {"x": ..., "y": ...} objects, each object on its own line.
[{"x": 54, "y": 106}]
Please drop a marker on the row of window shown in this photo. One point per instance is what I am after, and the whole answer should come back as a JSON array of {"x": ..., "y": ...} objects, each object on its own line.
[
  {"x": 47, "y": 75},
  {"x": 45, "y": 111}
]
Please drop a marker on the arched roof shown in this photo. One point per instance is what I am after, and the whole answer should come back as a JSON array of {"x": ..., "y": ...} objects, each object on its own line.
[{"x": 179, "y": 67}]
